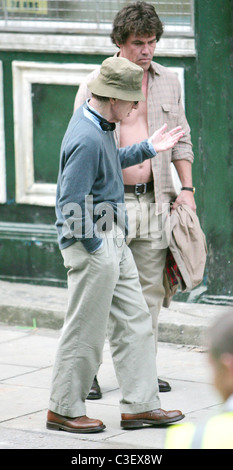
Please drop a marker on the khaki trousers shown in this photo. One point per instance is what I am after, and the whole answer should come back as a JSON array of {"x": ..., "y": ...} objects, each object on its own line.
[
  {"x": 148, "y": 244},
  {"x": 104, "y": 293}
]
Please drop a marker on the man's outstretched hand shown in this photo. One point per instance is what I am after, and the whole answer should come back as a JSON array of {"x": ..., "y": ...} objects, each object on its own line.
[{"x": 162, "y": 140}]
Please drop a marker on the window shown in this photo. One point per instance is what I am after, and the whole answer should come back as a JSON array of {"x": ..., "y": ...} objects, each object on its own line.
[{"x": 86, "y": 16}]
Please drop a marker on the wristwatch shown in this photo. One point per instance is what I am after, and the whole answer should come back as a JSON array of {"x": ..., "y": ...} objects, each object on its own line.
[{"x": 185, "y": 188}]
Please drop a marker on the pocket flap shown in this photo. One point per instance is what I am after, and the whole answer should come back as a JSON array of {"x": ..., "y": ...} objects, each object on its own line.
[
  {"x": 166, "y": 107},
  {"x": 169, "y": 108}
]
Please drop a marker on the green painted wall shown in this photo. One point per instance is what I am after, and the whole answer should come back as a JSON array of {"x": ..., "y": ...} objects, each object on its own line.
[
  {"x": 208, "y": 102},
  {"x": 49, "y": 121},
  {"x": 214, "y": 169}
]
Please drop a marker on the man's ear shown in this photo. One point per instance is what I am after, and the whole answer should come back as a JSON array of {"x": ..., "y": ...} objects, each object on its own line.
[{"x": 226, "y": 361}]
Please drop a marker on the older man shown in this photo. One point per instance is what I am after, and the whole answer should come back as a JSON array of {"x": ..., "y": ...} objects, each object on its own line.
[{"x": 103, "y": 284}]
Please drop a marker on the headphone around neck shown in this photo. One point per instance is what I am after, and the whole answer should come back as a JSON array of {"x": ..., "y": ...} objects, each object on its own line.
[{"x": 104, "y": 124}]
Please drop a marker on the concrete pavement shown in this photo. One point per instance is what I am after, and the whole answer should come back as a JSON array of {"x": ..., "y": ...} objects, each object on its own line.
[{"x": 30, "y": 319}]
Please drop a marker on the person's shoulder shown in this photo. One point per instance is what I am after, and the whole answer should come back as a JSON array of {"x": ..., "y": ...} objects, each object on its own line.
[
  {"x": 164, "y": 71},
  {"x": 80, "y": 127},
  {"x": 82, "y": 136},
  {"x": 76, "y": 119},
  {"x": 91, "y": 75},
  {"x": 83, "y": 92}
]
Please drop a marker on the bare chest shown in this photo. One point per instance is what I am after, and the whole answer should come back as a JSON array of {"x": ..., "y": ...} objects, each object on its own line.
[{"x": 133, "y": 130}]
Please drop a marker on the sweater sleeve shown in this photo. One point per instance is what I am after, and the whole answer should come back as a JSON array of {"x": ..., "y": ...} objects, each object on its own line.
[
  {"x": 183, "y": 149},
  {"x": 135, "y": 154}
]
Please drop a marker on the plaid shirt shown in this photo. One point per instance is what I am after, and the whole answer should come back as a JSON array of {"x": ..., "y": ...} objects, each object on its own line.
[{"x": 164, "y": 104}]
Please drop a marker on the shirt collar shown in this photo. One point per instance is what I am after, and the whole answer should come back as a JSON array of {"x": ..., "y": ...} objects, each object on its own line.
[
  {"x": 93, "y": 117},
  {"x": 154, "y": 69}
]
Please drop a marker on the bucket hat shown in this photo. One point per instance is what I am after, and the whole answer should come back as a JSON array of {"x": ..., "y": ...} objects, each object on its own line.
[{"x": 118, "y": 78}]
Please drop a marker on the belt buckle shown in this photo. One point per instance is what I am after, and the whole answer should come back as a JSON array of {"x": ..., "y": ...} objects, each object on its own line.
[{"x": 139, "y": 185}]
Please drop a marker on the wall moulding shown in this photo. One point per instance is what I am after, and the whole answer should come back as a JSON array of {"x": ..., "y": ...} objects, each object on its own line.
[
  {"x": 28, "y": 232},
  {"x": 172, "y": 46}
]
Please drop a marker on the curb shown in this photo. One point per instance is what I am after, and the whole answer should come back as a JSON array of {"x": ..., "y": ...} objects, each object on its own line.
[{"x": 31, "y": 306}]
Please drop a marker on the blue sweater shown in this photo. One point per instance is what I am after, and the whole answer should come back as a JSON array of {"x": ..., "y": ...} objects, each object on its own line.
[{"x": 90, "y": 189}]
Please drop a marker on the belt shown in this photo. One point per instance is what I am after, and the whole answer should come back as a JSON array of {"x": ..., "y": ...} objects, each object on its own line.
[{"x": 139, "y": 188}]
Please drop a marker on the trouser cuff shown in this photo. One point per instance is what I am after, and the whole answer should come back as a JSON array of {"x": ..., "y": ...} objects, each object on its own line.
[{"x": 140, "y": 407}]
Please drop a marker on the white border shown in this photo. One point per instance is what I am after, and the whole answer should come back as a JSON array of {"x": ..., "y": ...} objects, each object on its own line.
[
  {"x": 24, "y": 74},
  {"x": 2, "y": 143}
]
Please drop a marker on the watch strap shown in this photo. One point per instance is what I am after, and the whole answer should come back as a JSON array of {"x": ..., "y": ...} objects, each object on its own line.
[{"x": 187, "y": 188}]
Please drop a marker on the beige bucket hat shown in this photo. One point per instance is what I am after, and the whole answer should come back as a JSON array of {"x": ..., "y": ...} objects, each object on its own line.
[{"x": 118, "y": 78}]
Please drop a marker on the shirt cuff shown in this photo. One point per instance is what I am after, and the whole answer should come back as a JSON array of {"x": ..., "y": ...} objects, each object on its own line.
[
  {"x": 92, "y": 244},
  {"x": 97, "y": 248},
  {"x": 151, "y": 147}
]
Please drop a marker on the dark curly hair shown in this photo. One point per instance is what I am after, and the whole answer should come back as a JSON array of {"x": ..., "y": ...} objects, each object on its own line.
[{"x": 139, "y": 18}]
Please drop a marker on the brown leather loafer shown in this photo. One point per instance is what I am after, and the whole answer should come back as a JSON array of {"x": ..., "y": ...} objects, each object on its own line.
[
  {"x": 157, "y": 417},
  {"x": 81, "y": 424}
]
